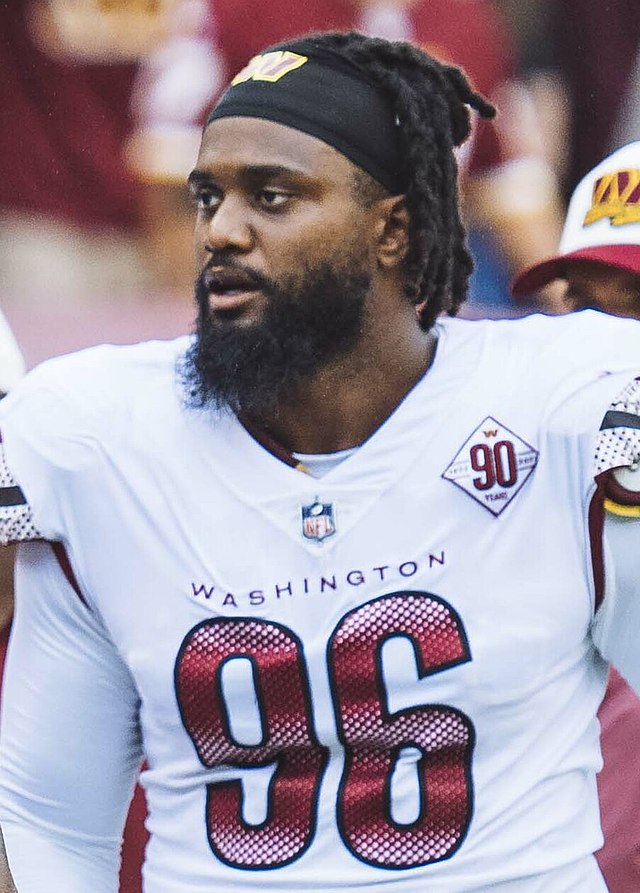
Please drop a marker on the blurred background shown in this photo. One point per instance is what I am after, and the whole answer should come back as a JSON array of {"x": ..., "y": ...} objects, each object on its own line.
[{"x": 101, "y": 105}]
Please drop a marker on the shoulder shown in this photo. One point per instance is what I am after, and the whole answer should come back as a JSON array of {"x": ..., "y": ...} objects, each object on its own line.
[
  {"x": 75, "y": 402},
  {"x": 562, "y": 373},
  {"x": 99, "y": 378},
  {"x": 104, "y": 365},
  {"x": 601, "y": 334},
  {"x": 69, "y": 413},
  {"x": 573, "y": 340}
]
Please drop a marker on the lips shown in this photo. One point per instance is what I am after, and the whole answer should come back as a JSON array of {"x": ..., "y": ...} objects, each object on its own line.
[
  {"x": 226, "y": 280},
  {"x": 230, "y": 288}
]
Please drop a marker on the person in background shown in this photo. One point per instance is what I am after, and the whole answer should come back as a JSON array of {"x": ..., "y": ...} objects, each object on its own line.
[
  {"x": 71, "y": 221},
  {"x": 174, "y": 86},
  {"x": 601, "y": 270},
  {"x": 596, "y": 46},
  {"x": 627, "y": 126},
  {"x": 580, "y": 60}
]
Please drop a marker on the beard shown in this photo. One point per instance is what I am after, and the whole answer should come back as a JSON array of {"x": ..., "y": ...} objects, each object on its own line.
[{"x": 310, "y": 319}]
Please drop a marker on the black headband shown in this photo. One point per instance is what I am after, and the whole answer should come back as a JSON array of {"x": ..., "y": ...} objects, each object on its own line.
[{"x": 322, "y": 94}]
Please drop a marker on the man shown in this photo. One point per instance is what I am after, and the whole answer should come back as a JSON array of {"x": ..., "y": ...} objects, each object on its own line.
[
  {"x": 600, "y": 263},
  {"x": 343, "y": 596},
  {"x": 603, "y": 272},
  {"x": 67, "y": 77}
]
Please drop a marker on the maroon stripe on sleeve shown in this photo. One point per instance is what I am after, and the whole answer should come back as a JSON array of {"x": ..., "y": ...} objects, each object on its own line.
[{"x": 596, "y": 536}]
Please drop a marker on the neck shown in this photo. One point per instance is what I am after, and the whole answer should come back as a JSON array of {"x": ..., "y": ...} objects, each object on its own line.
[{"x": 347, "y": 401}]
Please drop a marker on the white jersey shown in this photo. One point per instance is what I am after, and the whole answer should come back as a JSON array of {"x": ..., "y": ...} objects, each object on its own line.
[{"x": 380, "y": 679}]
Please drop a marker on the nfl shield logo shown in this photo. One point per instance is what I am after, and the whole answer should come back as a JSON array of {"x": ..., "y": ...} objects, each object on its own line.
[{"x": 317, "y": 521}]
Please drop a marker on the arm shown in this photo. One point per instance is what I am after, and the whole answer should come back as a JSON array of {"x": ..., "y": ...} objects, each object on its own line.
[{"x": 69, "y": 748}]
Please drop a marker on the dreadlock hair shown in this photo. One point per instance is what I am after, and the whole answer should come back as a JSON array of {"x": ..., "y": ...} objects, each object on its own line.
[{"x": 431, "y": 101}]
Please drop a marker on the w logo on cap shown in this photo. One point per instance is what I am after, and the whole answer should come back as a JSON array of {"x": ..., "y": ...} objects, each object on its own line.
[
  {"x": 616, "y": 196},
  {"x": 269, "y": 67}
]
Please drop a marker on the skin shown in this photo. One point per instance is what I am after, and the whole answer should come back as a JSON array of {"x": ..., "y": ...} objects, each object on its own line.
[
  {"x": 7, "y": 560},
  {"x": 6, "y": 881},
  {"x": 602, "y": 287},
  {"x": 273, "y": 199}
]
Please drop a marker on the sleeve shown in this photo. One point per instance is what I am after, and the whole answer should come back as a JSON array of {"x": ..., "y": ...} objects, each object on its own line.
[
  {"x": 616, "y": 626},
  {"x": 617, "y": 621},
  {"x": 70, "y": 744},
  {"x": 43, "y": 438}
]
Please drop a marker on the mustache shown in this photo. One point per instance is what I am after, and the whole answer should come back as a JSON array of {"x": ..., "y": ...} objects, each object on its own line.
[{"x": 230, "y": 265}]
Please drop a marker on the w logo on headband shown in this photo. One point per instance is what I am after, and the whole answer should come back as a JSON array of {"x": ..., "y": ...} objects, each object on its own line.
[
  {"x": 269, "y": 67},
  {"x": 616, "y": 196}
]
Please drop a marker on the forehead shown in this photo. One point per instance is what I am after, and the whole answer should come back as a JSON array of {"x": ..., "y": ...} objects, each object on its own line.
[{"x": 230, "y": 144}]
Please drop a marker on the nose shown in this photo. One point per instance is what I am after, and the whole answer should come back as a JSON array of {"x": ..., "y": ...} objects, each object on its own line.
[{"x": 229, "y": 227}]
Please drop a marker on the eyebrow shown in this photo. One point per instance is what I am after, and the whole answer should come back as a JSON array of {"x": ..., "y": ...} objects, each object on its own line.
[{"x": 251, "y": 171}]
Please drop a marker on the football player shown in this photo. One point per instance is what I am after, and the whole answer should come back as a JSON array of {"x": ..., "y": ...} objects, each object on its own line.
[{"x": 335, "y": 565}]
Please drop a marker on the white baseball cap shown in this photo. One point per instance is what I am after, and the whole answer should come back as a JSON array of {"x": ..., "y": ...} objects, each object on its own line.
[{"x": 602, "y": 225}]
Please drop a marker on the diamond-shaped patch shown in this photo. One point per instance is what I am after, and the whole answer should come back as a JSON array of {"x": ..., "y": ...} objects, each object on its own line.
[{"x": 492, "y": 465}]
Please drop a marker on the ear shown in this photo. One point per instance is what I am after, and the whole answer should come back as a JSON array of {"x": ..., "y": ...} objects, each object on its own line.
[{"x": 392, "y": 231}]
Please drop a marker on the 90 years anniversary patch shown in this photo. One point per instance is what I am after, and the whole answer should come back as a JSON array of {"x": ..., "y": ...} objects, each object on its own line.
[{"x": 492, "y": 465}]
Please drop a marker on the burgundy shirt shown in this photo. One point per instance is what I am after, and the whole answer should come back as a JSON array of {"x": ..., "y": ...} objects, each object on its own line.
[{"x": 63, "y": 125}]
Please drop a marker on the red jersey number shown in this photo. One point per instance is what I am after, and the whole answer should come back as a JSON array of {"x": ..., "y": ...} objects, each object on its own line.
[{"x": 372, "y": 737}]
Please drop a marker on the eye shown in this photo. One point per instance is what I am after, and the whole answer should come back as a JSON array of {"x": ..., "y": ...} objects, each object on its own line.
[
  {"x": 206, "y": 199},
  {"x": 273, "y": 199}
]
